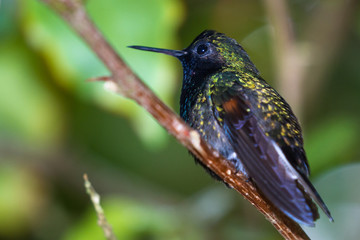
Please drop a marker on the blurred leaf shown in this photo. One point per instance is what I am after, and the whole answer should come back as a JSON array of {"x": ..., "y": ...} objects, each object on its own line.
[
  {"x": 123, "y": 23},
  {"x": 22, "y": 199},
  {"x": 357, "y": 25},
  {"x": 7, "y": 17},
  {"x": 28, "y": 110},
  {"x": 212, "y": 204},
  {"x": 330, "y": 142},
  {"x": 135, "y": 220},
  {"x": 257, "y": 45},
  {"x": 339, "y": 189}
]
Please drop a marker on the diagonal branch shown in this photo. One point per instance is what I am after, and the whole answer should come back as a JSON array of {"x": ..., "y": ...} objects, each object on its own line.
[{"x": 129, "y": 85}]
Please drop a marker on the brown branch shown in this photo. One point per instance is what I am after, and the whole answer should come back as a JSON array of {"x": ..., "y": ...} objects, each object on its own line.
[
  {"x": 326, "y": 31},
  {"x": 129, "y": 85},
  {"x": 301, "y": 64}
]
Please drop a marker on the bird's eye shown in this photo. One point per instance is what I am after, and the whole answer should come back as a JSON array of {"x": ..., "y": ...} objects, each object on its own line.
[{"x": 201, "y": 49}]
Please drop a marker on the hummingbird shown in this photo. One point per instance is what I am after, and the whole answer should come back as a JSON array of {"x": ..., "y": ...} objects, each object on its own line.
[{"x": 239, "y": 114}]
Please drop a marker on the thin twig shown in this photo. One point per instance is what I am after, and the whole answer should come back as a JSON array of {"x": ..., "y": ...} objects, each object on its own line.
[
  {"x": 95, "y": 198},
  {"x": 129, "y": 85}
]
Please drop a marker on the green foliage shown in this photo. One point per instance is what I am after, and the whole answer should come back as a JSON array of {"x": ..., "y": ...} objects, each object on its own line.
[
  {"x": 133, "y": 220},
  {"x": 339, "y": 189},
  {"x": 22, "y": 199},
  {"x": 332, "y": 142},
  {"x": 28, "y": 109},
  {"x": 70, "y": 62}
]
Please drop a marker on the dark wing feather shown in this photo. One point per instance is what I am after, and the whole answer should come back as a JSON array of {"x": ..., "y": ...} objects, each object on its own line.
[{"x": 265, "y": 162}]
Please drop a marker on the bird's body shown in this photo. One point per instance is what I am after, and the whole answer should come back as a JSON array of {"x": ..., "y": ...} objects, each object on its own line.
[{"x": 225, "y": 99}]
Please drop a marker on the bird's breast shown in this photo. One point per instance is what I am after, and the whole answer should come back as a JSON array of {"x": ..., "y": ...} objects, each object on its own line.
[{"x": 200, "y": 116}]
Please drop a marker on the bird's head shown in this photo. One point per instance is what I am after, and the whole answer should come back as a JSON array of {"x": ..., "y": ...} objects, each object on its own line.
[{"x": 209, "y": 52}]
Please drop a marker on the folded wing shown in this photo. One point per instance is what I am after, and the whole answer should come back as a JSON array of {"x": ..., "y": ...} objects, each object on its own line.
[{"x": 264, "y": 160}]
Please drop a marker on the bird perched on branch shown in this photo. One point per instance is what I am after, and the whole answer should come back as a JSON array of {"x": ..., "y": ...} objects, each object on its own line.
[{"x": 240, "y": 115}]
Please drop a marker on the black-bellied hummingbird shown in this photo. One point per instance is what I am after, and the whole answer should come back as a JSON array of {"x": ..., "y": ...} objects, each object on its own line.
[{"x": 240, "y": 115}]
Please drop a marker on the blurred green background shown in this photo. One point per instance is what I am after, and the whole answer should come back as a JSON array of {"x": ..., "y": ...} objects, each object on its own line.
[{"x": 55, "y": 126}]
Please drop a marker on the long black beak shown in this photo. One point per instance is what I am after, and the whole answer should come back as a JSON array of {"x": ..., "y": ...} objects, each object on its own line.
[{"x": 175, "y": 53}]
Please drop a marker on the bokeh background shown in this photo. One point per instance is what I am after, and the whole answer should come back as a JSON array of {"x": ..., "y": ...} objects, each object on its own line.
[{"x": 55, "y": 126}]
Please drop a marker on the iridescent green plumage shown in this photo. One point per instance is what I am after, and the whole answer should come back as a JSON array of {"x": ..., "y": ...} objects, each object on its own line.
[{"x": 224, "y": 97}]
